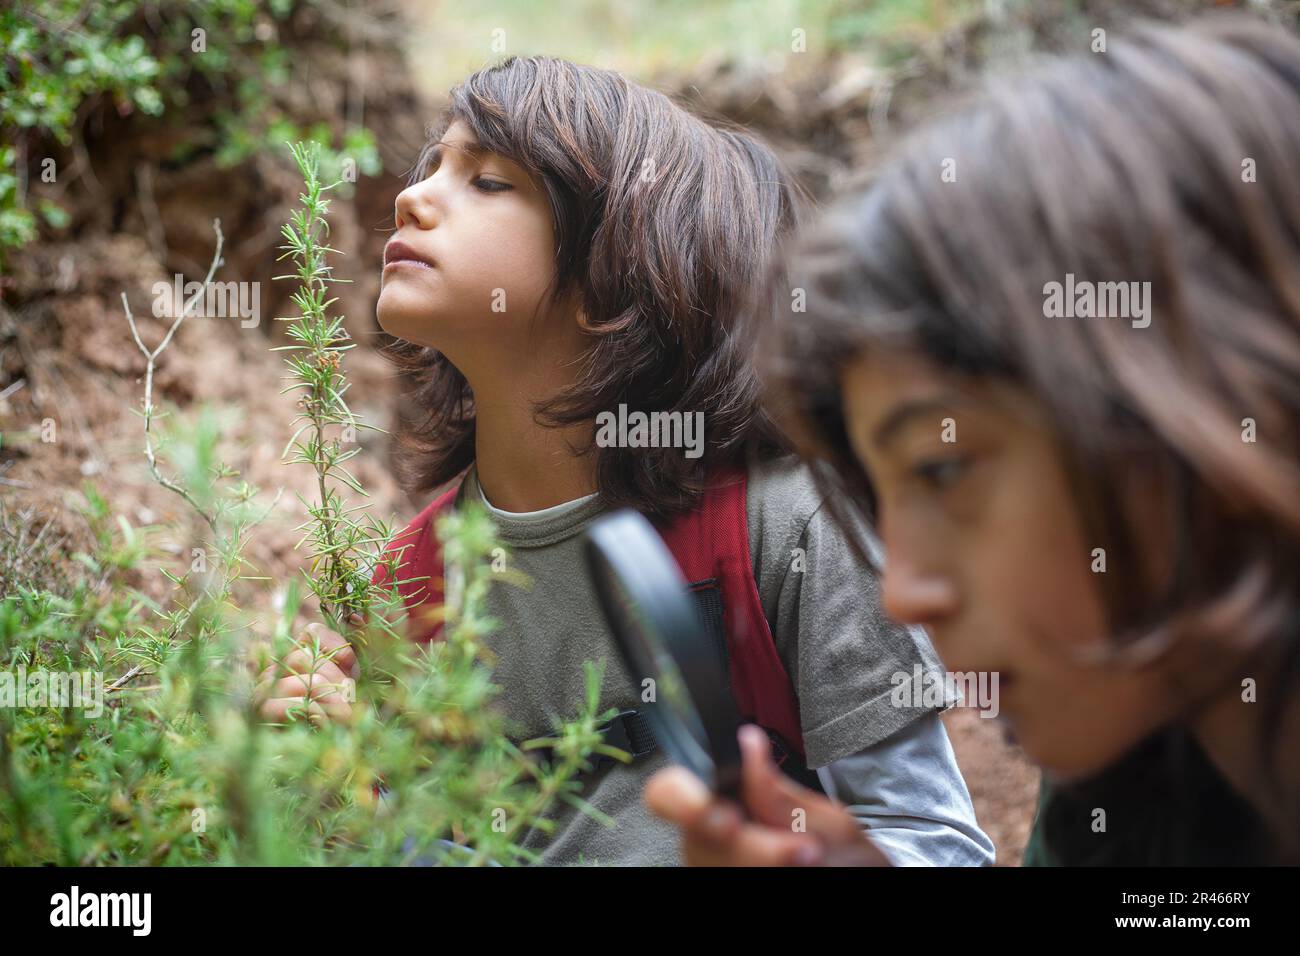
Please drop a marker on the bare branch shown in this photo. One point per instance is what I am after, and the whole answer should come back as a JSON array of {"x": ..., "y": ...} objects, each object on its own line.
[{"x": 152, "y": 356}]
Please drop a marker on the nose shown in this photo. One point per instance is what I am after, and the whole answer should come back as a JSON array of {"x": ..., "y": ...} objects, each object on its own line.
[
  {"x": 911, "y": 594},
  {"x": 415, "y": 206}
]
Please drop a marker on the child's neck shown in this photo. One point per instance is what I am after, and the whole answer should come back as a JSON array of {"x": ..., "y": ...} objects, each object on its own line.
[{"x": 524, "y": 466}]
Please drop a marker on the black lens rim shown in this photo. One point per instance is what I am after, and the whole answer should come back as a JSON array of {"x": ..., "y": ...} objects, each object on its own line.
[{"x": 624, "y": 547}]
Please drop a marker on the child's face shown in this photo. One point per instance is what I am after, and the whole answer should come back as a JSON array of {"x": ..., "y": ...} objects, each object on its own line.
[
  {"x": 985, "y": 549},
  {"x": 483, "y": 228}
]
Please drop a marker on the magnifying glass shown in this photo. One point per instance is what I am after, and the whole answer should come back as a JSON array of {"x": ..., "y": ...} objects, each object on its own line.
[{"x": 662, "y": 637}]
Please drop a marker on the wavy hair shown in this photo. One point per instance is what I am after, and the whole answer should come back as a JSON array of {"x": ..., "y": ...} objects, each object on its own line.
[
  {"x": 1174, "y": 158},
  {"x": 665, "y": 225}
]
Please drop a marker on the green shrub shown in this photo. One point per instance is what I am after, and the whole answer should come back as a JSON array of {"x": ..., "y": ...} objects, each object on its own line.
[
  {"x": 178, "y": 768},
  {"x": 63, "y": 56}
]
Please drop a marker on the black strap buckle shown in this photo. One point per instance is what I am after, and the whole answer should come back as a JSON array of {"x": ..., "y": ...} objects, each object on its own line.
[{"x": 622, "y": 732}]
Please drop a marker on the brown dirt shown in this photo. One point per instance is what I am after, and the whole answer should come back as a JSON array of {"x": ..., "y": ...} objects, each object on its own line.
[
  {"x": 83, "y": 371},
  {"x": 139, "y": 216},
  {"x": 1003, "y": 782}
]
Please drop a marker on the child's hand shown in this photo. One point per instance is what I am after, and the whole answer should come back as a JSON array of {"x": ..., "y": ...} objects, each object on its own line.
[
  {"x": 324, "y": 682},
  {"x": 715, "y": 833}
]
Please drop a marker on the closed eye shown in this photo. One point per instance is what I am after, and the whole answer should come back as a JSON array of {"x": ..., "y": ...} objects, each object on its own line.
[{"x": 433, "y": 160}]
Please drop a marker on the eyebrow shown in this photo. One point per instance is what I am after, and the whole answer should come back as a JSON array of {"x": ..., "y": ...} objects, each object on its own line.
[
  {"x": 471, "y": 149},
  {"x": 907, "y": 411}
]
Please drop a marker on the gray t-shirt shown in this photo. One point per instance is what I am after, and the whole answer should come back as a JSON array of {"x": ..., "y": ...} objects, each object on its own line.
[{"x": 822, "y": 603}]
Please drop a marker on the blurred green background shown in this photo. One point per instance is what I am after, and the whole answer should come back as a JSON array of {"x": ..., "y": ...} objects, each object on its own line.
[{"x": 652, "y": 39}]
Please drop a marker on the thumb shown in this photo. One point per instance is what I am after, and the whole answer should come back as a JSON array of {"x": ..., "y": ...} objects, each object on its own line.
[
  {"x": 769, "y": 794},
  {"x": 774, "y": 799}
]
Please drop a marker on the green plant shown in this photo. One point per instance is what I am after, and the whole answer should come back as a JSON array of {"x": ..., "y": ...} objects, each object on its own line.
[
  {"x": 175, "y": 766},
  {"x": 337, "y": 578},
  {"x": 169, "y": 61}
]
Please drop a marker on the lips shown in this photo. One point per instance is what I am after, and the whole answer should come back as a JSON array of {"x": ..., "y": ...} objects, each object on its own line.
[{"x": 397, "y": 251}]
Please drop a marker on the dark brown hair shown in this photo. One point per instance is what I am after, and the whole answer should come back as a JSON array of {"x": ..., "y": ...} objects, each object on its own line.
[
  {"x": 1173, "y": 158},
  {"x": 664, "y": 226}
]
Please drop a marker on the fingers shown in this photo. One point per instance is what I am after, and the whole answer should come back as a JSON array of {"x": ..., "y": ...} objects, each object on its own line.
[
  {"x": 339, "y": 650},
  {"x": 331, "y": 692},
  {"x": 301, "y": 661},
  {"x": 681, "y": 798},
  {"x": 750, "y": 845},
  {"x": 761, "y": 778},
  {"x": 678, "y": 796},
  {"x": 314, "y": 680},
  {"x": 773, "y": 798},
  {"x": 713, "y": 831},
  {"x": 776, "y": 800},
  {"x": 314, "y": 686},
  {"x": 281, "y": 710},
  {"x": 789, "y": 825},
  {"x": 294, "y": 677},
  {"x": 310, "y": 695}
]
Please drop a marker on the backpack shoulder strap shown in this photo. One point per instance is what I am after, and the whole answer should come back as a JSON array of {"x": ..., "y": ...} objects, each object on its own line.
[
  {"x": 711, "y": 543},
  {"x": 416, "y": 556}
]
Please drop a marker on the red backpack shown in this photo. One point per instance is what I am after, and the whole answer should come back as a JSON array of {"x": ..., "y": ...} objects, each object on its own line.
[{"x": 711, "y": 545}]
